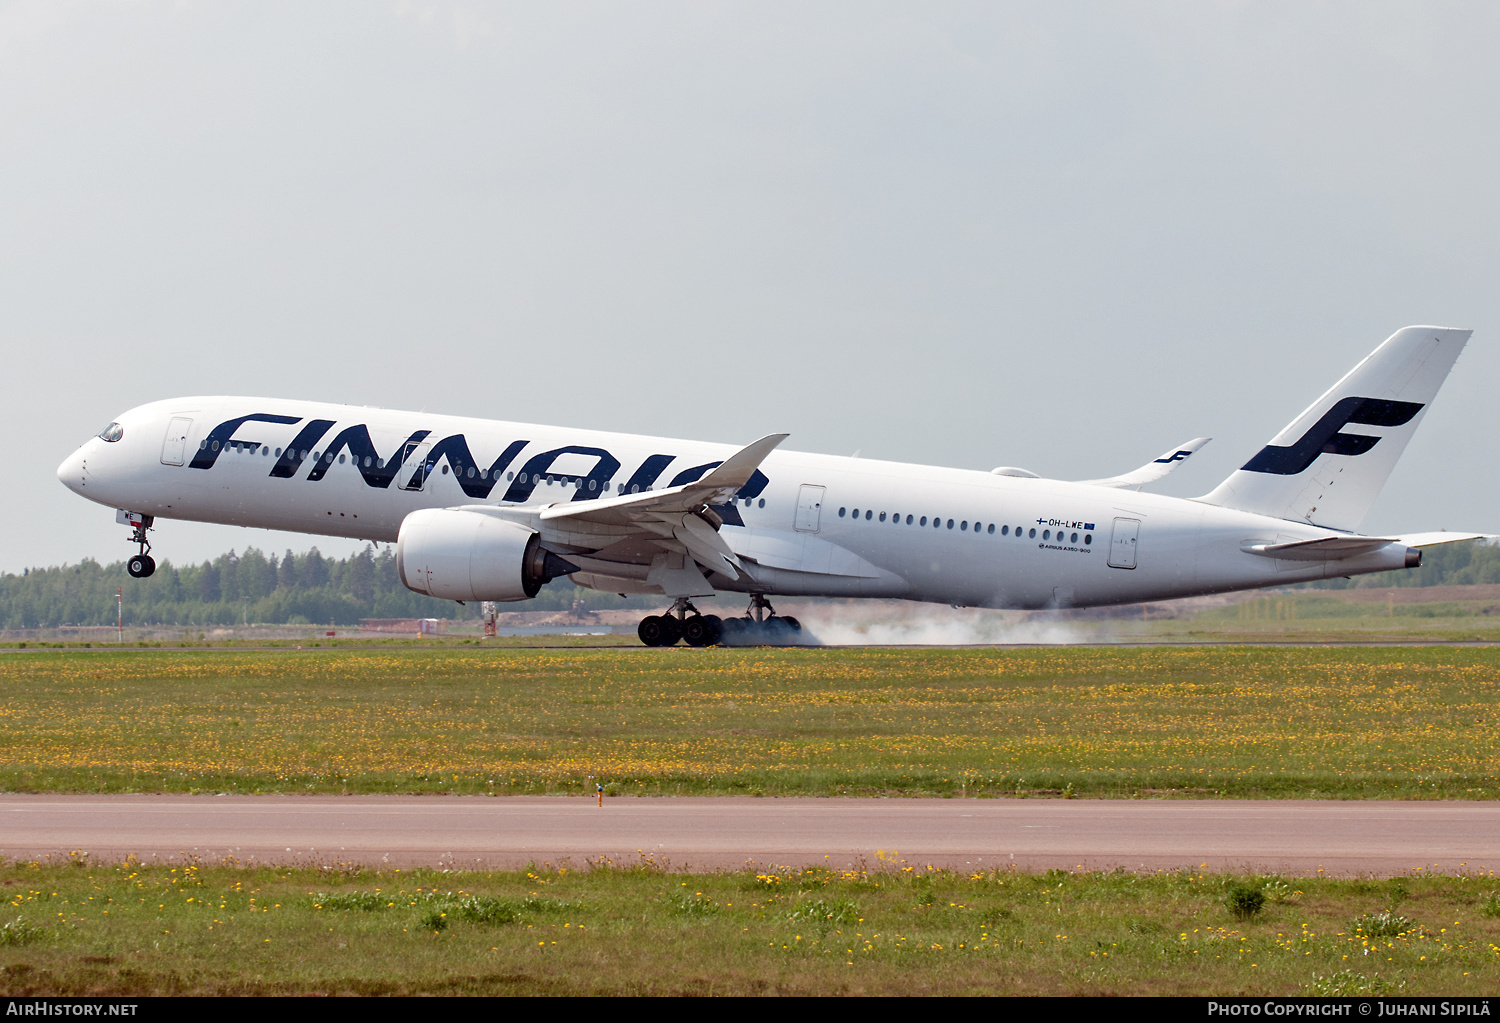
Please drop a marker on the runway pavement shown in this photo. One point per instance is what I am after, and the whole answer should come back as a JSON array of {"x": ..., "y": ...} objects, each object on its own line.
[{"x": 1294, "y": 837}]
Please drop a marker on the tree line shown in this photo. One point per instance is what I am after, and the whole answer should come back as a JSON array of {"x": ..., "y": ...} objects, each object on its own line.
[
  {"x": 248, "y": 588},
  {"x": 303, "y": 589}
]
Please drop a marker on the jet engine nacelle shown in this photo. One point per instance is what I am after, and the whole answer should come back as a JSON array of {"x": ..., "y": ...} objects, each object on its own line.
[{"x": 464, "y": 555}]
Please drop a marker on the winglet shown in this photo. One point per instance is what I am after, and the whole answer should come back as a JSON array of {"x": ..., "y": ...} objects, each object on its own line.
[
  {"x": 1154, "y": 469},
  {"x": 735, "y": 471}
]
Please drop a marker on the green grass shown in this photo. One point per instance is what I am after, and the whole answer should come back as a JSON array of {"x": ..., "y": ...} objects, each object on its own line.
[
  {"x": 197, "y": 929},
  {"x": 1124, "y": 721}
]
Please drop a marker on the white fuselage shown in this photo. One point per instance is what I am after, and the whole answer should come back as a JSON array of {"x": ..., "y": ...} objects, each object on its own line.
[{"x": 988, "y": 540}]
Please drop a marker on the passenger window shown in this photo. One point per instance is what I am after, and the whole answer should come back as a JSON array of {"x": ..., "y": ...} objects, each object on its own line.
[
  {"x": 992, "y": 529},
  {"x": 445, "y": 468},
  {"x": 868, "y": 513},
  {"x": 762, "y": 502},
  {"x": 950, "y": 523},
  {"x": 1046, "y": 534},
  {"x": 1004, "y": 530},
  {"x": 964, "y": 525},
  {"x": 882, "y": 516},
  {"x": 908, "y": 520},
  {"x": 924, "y": 520},
  {"x": 1032, "y": 533},
  {"x": 841, "y": 512},
  {"x": 1088, "y": 538}
]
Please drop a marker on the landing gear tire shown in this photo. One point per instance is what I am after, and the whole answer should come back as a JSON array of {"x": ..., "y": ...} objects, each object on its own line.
[
  {"x": 671, "y": 631},
  {"x": 702, "y": 630},
  {"x": 652, "y": 632},
  {"x": 141, "y": 566},
  {"x": 789, "y": 623}
]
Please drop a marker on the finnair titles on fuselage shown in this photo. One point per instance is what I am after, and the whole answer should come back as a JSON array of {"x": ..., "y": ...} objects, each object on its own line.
[{"x": 485, "y": 510}]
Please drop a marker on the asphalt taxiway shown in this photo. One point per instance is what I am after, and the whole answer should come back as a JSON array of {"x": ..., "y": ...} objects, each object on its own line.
[{"x": 1346, "y": 838}]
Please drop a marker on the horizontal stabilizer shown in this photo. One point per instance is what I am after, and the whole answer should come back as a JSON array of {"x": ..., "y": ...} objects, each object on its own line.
[
  {"x": 1337, "y": 548},
  {"x": 1154, "y": 469},
  {"x": 1439, "y": 537},
  {"x": 1324, "y": 548}
]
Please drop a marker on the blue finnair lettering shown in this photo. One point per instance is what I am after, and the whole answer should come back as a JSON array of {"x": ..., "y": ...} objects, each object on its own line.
[
  {"x": 649, "y": 472},
  {"x": 292, "y": 458},
  {"x": 477, "y": 481},
  {"x": 1324, "y": 438},
  {"x": 537, "y": 465},
  {"x": 218, "y": 437},
  {"x": 377, "y": 472}
]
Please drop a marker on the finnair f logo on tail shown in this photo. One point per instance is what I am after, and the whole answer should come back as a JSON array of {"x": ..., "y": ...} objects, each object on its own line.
[
  {"x": 1179, "y": 456},
  {"x": 1324, "y": 438}
]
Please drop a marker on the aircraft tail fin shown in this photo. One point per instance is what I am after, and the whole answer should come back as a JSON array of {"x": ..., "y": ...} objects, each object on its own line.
[{"x": 1328, "y": 465}]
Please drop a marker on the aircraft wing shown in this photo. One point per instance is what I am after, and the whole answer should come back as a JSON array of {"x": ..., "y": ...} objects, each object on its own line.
[
  {"x": 682, "y": 515},
  {"x": 1154, "y": 469}
]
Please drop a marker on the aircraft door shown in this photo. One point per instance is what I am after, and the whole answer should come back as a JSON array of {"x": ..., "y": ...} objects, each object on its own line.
[
  {"x": 175, "y": 444},
  {"x": 416, "y": 469},
  {"x": 1122, "y": 543},
  {"x": 809, "y": 508}
]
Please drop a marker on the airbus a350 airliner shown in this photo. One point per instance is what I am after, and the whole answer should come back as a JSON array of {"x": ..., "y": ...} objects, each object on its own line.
[{"x": 489, "y": 511}]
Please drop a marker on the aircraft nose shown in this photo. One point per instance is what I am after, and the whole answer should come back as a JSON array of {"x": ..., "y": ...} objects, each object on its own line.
[{"x": 72, "y": 473}]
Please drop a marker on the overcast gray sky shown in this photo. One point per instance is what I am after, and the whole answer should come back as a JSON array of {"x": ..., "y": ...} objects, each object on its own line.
[{"x": 1062, "y": 236}]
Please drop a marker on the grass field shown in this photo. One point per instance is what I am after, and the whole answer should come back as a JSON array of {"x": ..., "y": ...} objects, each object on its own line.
[
  {"x": 1238, "y": 722},
  {"x": 81, "y": 928}
]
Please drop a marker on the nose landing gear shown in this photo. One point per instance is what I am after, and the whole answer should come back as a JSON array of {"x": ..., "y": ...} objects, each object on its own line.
[{"x": 143, "y": 564}]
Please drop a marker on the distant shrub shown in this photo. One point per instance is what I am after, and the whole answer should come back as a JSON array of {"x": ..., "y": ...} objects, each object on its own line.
[
  {"x": 1347, "y": 982},
  {"x": 1279, "y": 892},
  {"x": 1381, "y": 925},
  {"x": 484, "y": 909},
  {"x": 1244, "y": 899},
  {"x": 824, "y": 911},
  {"x": 367, "y": 902},
  {"x": 20, "y": 932},
  {"x": 697, "y": 904}
]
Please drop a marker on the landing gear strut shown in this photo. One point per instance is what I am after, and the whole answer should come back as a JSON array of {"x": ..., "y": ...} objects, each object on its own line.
[
  {"x": 682, "y": 621},
  {"x": 143, "y": 564},
  {"x": 760, "y": 624}
]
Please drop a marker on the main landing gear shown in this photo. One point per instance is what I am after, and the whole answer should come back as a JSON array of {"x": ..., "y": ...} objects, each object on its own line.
[
  {"x": 143, "y": 564},
  {"x": 683, "y": 621},
  {"x": 760, "y": 625}
]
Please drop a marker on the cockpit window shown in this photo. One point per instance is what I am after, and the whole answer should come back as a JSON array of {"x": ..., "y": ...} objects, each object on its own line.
[{"x": 112, "y": 432}]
